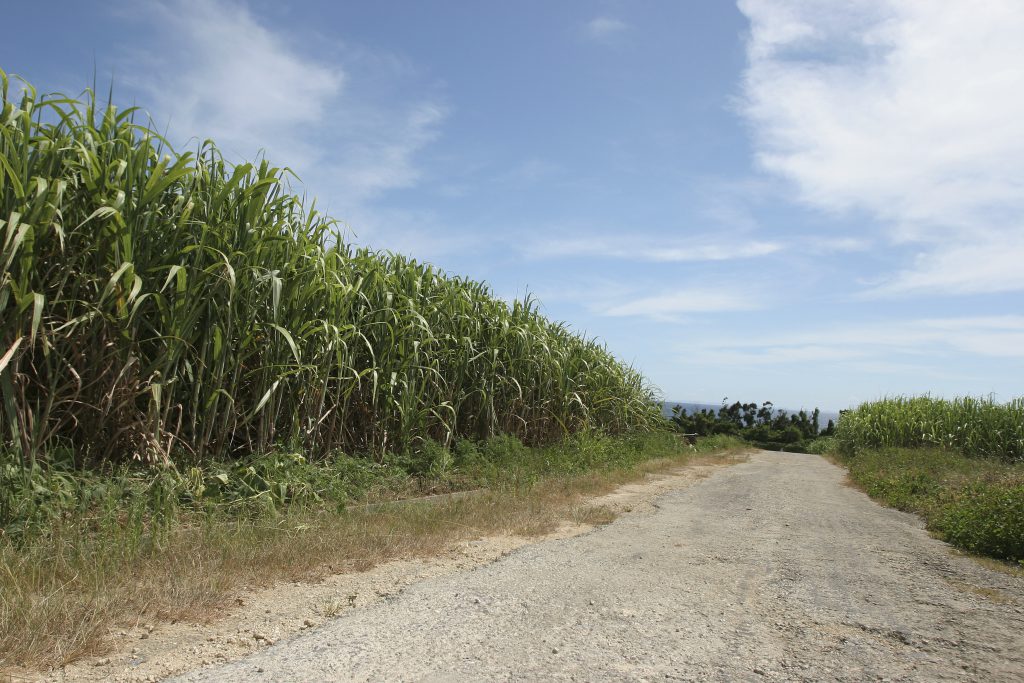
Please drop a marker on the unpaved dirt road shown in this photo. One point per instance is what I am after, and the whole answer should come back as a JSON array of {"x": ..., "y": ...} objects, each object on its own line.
[{"x": 767, "y": 570}]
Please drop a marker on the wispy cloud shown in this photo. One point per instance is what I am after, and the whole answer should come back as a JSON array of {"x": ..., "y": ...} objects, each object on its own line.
[
  {"x": 633, "y": 248},
  {"x": 985, "y": 266},
  {"x": 604, "y": 293},
  {"x": 214, "y": 69},
  {"x": 216, "y": 72},
  {"x": 530, "y": 171},
  {"x": 918, "y": 342},
  {"x": 604, "y": 28},
  {"x": 420, "y": 233},
  {"x": 670, "y": 306},
  {"x": 382, "y": 155},
  {"x": 912, "y": 111},
  {"x": 836, "y": 245}
]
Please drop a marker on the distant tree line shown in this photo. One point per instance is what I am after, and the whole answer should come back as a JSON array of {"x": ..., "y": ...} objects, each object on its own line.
[{"x": 761, "y": 425}]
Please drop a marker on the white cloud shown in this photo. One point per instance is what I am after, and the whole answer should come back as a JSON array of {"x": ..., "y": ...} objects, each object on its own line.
[
  {"x": 530, "y": 171},
  {"x": 984, "y": 267},
  {"x": 603, "y": 28},
  {"x": 836, "y": 245},
  {"x": 912, "y": 110},
  {"x": 867, "y": 344},
  {"x": 422, "y": 234},
  {"x": 215, "y": 70},
  {"x": 635, "y": 248},
  {"x": 669, "y": 306},
  {"x": 604, "y": 294},
  {"x": 382, "y": 156}
]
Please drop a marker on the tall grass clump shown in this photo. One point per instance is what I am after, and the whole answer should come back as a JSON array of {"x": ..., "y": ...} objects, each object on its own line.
[
  {"x": 974, "y": 427},
  {"x": 166, "y": 307}
]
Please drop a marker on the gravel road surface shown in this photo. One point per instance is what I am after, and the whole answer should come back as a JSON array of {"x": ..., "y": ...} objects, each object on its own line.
[{"x": 768, "y": 570}]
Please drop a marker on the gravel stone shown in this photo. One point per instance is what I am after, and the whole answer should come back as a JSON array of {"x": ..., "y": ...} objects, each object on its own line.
[{"x": 772, "y": 565}]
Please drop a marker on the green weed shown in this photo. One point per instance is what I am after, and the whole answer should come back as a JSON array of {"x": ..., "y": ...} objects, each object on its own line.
[{"x": 973, "y": 503}]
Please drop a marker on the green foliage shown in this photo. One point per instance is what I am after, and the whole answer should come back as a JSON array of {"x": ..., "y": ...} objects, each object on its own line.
[
  {"x": 504, "y": 461},
  {"x": 272, "y": 480},
  {"x": 985, "y": 518},
  {"x": 149, "y": 498},
  {"x": 976, "y": 427},
  {"x": 345, "y": 478},
  {"x": 43, "y": 498},
  {"x": 974, "y": 503},
  {"x": 31, "y": 497},
  {"x": 821, "y": 446},
  {"x": 67, "y": 586},
  {"x": 172, "y": 308},
  {"x": 960, "y": 463},
  {"x": 719, "y": 442},
  {"x": 762, "y": 425}
]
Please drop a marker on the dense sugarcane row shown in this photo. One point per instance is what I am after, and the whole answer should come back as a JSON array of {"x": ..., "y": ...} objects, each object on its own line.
[
  {"x": 157, "y": 305},
  {"x": 975, "y": 427}
]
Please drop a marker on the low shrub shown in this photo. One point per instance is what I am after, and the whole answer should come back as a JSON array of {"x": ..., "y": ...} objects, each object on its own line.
[
  {"x": 823, "y": 445},
  {"x": 984, "y": 518}
]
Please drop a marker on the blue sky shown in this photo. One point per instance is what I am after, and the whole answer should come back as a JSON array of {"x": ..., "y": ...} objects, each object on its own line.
[{"x": 807, "y": 201}]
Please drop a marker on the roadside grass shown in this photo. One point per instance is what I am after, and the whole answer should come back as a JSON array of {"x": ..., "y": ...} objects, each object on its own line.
[
  {"x": 974, "y": 503},
  {"x": 1015, "y": 570},
  {"x": 991, "y": 594},
  {"x": 63, "y": 591},
  {"x": 821, "y": 446}
]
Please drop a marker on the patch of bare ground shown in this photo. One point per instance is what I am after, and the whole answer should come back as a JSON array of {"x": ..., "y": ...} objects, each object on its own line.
[{"x": 214, "y": 605}]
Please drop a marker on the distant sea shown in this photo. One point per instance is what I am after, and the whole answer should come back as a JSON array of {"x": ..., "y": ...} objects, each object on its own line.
[
  {"x": 691, "y": 408},
  {"x": 666, "y": 410}
]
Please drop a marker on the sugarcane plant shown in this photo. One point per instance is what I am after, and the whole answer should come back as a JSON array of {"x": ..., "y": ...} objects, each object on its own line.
[{"x": 157, "y": 305}]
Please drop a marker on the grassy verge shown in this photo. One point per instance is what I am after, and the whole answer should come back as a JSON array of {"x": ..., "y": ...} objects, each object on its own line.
[
  {"x": 133, "y": 553},
  {"x": 976, "y": 504}
]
